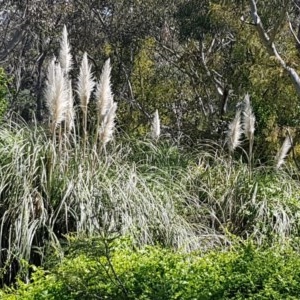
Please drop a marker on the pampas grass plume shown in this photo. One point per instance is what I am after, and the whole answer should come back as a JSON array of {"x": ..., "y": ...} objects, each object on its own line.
[
  {"x": 281, "y": 155},
  {"x": 108, "y": 125},
  {"x": 56, "y": 93},
  {"x": 248, "y": 119},
  {"x": 155, "y": 132},
  {"x": 50, "y": 85},
  {"x": 65, "y": 57},
  {"x": 85, "y": 83},
  {"x": 104, "y": 95},
  {"x": 234, "y": 132}
]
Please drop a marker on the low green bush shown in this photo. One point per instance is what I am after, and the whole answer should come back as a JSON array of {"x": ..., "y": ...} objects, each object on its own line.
[{"x": 101, "y": 270}]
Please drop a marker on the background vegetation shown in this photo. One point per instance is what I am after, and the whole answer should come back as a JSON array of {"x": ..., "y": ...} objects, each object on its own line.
[{"x": 193, "y": 210}]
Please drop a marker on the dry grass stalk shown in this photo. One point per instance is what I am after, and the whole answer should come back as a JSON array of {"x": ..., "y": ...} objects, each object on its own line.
[
  {"x": 234, "y": 132},
  {"x": 155, "y": 129},
  {"x": 70, "y": 113},
  {"x": 65, "y": 57},
  {"x": 283, "y": 152}
]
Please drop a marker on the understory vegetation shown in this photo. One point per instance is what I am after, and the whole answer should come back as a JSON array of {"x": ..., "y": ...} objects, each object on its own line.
[{"x": 68, "y": 211}]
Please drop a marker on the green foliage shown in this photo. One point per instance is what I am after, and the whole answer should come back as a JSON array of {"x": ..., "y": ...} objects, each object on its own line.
[
  {"x": 3, "y": 93},
  {"x": 154, "y": 86},
  {"x": 197, "y": 23},
  {"x": 244, "y": 64},
  {"x": 123, "y": 272}
]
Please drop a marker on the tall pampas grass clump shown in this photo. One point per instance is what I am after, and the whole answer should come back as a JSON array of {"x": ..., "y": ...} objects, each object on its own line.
[
  {"x": 60, "y": 100},
  {"x": 49, "y": 189}
]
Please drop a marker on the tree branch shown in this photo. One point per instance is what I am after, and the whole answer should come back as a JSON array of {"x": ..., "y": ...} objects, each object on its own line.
[
  {"x": 294, "y": 34},
  {"x": 270, "y": 46}
]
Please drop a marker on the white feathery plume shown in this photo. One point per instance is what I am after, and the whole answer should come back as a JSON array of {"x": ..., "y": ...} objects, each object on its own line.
[
  {"x": 155, "y": 129},
  {"x": 50, "y": 84},
  {"x": 51, "y": 71},
  {"x": 281, "y": 155},
  {"x": 65, "y": 57},
  {"x": 104, "y": 95},
  {"x": 56, "y": 93},
  {"x": 234, "y": 132},
  {"x": 108, "y": 124},
  {"x": 248, "y": 119},
  {"x": 70, "y": 114},
  {"x": 85, "y": 83}
]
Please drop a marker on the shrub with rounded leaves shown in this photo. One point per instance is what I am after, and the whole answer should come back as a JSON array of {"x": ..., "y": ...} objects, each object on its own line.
[{"x": 110, "y": 270}]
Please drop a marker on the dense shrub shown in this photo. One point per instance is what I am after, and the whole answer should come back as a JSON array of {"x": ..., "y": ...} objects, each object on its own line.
[{"x": 104, "y": 270}]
